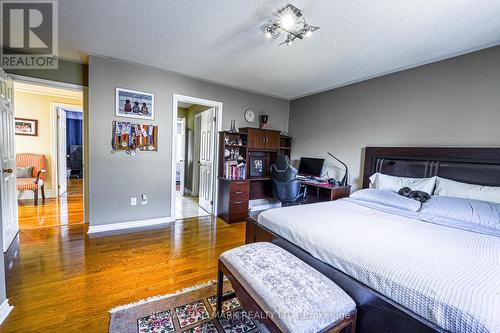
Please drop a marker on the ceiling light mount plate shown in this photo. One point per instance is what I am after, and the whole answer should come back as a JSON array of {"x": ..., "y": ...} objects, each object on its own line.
[{"x": 291, "y": 23}]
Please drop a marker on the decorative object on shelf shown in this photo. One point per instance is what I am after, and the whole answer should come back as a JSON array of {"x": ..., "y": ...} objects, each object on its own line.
[
  {"x": 134, "y": 104},
  {"x": 249, "y": 115},
  {"x": 344, "y": 180},
  {"x": 263, "y": 121},
  {"x": 134, "y": 138},
  {"x": 233, "y": 126},
  {"x": 26, "y": 127},
  {"x": 291, "y": 24},
  {"x": 234, "y": 166}
]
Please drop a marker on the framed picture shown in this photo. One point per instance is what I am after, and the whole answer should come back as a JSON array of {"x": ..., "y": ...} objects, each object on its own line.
[
  {"x": 134, "y": 104},
  {"x": 26, "y": 127},
  {"x": 258, "y": 164}
]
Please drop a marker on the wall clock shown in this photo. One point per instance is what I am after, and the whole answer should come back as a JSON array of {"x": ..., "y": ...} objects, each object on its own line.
[{"x": 250, "y": 115}]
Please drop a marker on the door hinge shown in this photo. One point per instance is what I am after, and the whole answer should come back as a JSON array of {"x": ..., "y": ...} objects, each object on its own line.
[
  {"x": 211, "y": 202},
  {"x": 215, "y": 118}
]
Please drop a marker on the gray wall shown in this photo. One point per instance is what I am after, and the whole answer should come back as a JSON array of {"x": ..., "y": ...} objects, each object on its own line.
[
  {"x": 114, "y": 178},
  {"x": 455, "y": 102},
  {"x": 67, "y": 71}
]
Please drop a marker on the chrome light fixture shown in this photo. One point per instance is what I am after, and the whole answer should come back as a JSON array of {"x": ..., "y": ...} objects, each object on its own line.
[{"x": 291, "y": 23}]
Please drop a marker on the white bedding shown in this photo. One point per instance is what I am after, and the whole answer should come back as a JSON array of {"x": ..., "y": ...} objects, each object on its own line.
[{"x": 449, "y": 276}]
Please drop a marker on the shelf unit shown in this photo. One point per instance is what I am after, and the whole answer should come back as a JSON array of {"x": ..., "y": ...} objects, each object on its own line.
[
  {"x": 258, "y": 149},
  {"x": 233, "y": 150},
  {"x": 286, "y": 145}
]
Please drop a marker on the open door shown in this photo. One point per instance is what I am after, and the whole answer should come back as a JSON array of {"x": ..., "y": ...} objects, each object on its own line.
[
  {"x": 62, "y": 178},
  {"x": 181, "y": 152},
  {"x": 8, "y": 201},
  {"x": 195, "y": 182},
  {"x": 205, "y": 192}
]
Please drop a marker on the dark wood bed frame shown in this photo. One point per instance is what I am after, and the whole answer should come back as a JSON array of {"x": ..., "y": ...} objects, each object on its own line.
[{"x": 376, "y": 312}]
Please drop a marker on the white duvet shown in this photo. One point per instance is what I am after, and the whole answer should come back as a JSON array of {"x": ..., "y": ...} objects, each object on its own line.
[{"x": 449, "y": 276}]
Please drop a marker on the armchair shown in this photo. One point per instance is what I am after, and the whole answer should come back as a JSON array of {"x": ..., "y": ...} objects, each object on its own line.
[{"x": 36, "y": 181}]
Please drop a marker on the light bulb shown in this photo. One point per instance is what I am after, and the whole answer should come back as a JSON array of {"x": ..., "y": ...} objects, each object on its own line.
[
  {"x": 308, "y": 33},
  {"x": 269, "y": 34},
  {"x": 290, "y": 42},
  {"x": 287, "y": 21}
]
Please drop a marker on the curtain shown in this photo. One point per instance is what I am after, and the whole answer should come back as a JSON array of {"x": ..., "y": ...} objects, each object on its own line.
[{"x": 74, "y": 128}]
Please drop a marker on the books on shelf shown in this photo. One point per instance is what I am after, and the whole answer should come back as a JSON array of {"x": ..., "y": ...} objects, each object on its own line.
[{"x": 234, "y": 170}]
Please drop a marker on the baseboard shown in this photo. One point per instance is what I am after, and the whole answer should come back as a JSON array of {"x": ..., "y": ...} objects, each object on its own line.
[
  {"x": 93, "y": 229},
  {"x": 29, "y": 194},
  {"x": 5, "y": 309}
]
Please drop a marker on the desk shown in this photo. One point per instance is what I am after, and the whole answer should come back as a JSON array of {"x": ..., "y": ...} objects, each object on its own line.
[{"x": 317, "y": 191}]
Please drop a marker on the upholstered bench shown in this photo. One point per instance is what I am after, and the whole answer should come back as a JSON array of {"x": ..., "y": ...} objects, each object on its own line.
[{"x": 284, "y": 293}]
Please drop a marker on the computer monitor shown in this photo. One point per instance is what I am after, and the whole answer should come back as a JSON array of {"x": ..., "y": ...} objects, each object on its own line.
[{"x": 311, "y": 166}]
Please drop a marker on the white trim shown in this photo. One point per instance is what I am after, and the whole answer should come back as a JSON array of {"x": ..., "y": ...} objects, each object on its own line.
[
  {"x": 93, "y": 229},
  {"x": 55, "y": 137},
  {"x": 5, "y": 309},
  {"x": 218, "y": 126},
  {"x": 53, "y": 84}
]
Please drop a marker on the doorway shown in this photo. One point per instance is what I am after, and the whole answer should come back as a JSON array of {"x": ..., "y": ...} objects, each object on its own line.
[
  {"x": 51, "y": 156},
  {"x": 195, "y": 146}
]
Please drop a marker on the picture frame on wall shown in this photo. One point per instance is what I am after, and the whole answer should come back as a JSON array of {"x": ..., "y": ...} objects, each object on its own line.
[
  {"x": 134, "y": 104},
  {"x": 23, "y": 126}
]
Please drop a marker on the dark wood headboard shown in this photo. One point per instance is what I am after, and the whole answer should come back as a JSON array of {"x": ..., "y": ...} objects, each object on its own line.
[{"x": 469, "y": 165}]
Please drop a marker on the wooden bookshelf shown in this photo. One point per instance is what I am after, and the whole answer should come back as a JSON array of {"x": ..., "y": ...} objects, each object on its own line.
[{"x": 257, "y": 149}]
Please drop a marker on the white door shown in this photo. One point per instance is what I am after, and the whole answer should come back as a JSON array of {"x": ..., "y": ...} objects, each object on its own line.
[
  {"x": 205, "y": 191},
  {"x": 62, "y": 180},
  {"x": 181, "y": 152},
  {"x": 8, "y": 201},
  {"x": 195, "y": 182}
]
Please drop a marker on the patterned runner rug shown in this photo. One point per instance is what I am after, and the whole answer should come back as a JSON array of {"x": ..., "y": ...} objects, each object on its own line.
[{"x": 191, "y": 310}]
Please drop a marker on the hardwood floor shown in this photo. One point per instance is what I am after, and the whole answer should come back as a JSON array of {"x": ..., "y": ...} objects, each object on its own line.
[
  {"x": 65, "y": 210},
  {"x": 59, "y": 280}
]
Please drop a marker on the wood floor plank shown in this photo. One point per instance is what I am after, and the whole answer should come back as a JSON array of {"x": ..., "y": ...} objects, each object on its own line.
[
  {"x": 60, "y": 280},
  {"x": 66, "y": 210}
]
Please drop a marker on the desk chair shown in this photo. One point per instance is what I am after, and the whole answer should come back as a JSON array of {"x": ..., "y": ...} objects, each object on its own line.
[{"x": 286, "y": 188}]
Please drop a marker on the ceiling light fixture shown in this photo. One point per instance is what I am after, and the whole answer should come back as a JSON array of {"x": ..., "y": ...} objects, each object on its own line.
[{"x": 291, "y": 23}]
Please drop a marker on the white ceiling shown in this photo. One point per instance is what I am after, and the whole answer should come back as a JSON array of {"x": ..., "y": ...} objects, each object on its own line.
[{"x": 221, "y": 40}]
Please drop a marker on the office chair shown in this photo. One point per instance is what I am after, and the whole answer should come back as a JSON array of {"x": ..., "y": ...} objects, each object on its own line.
[{"x": 286, "y": 188}]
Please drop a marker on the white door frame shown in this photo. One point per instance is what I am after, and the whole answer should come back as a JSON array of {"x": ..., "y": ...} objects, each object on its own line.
[
  {"x": 55, "y": 135},
  {"x": 182, "y": 181},
  {"x": 53, "y": 120},
  {"x": 218, "y": 126}
]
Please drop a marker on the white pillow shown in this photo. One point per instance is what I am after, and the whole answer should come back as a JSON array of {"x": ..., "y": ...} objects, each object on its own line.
[
  {"x": 380, "y": 181},
  {"x": 451, "y": 188}
]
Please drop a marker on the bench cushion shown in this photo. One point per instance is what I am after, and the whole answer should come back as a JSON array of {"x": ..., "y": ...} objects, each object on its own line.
[{"x": 301, "y": 299}]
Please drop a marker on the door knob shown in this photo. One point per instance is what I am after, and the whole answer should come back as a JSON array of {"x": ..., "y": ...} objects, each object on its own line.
[{"x": 7, "y": 170}]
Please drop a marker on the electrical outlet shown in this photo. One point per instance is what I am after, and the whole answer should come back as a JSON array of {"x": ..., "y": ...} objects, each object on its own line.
[
  {"x": 144, "y": 199},
  {"x": 133, "y": 201}
]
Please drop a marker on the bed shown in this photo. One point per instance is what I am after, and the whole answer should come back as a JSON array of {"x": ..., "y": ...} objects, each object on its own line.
[{"x": 387, "y": 262}]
